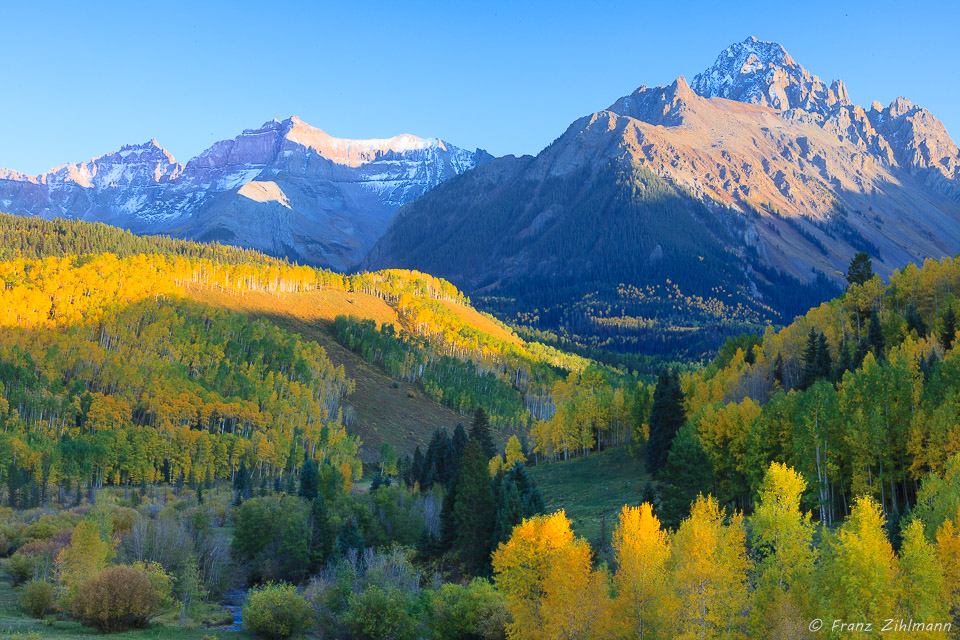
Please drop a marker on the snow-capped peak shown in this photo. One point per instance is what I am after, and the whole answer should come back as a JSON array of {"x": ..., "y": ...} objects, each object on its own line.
[{"x": 759, "y": 72}]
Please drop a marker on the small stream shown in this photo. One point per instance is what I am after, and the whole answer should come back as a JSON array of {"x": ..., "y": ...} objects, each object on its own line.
[{"x": 233, "y": 601}]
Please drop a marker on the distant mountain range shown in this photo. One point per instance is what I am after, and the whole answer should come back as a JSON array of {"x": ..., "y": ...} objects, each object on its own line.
[
  {"x": 681, "y": 211},
  {"x": 675, "y": 217},
  {"x": 287, "y": 189}
]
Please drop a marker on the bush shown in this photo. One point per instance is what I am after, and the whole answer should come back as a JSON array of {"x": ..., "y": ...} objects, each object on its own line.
[
  {"x": 474, "y": 612},
  {"x": 116, "y": 599},
  {"x": 20, "y": 568},
  {"x": 37, "y": 598},
  {"x": 276, "y": 611},
  {"x": 377, "y": 614}
]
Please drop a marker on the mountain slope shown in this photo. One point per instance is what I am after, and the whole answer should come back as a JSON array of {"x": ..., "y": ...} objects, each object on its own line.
[
  {"x": 770, "y": 195},
  {"x": 287, "y": 189}
]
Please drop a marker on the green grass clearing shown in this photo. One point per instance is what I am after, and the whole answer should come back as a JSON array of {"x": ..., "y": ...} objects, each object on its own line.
[{"x": 592, "y": 488}]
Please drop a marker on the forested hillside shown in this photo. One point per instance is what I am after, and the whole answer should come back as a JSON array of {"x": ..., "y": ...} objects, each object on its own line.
[{"x": 194, "y": 343}]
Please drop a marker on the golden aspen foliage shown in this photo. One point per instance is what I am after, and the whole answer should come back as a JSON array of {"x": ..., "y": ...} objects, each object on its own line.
[
  {"x": 544, "y": 573},
  {"x": 948, "y": 552},
  {"x": 921, "y": 586},
  {"x": 709, "y": 574},
  {"x": 83, "y": 558},
  {"x": 782, "y": 537},
  {"x": 859, "y": 570},
  {"x": 643, "y": 597}
]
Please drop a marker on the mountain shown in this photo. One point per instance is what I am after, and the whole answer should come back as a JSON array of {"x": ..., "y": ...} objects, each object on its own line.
[
  {"x": 287, "y": 189},
  {"x": 682, "y": 213}
]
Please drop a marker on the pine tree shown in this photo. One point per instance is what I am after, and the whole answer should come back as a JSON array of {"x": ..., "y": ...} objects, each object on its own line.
[
  {"x": 416, "y": 467},
  {"x": 349, "y": 538},
  {"x": 480, "y": 431},
  {"x": 533, "y": 504},
  {"x": 824, "y": 362},
  {"x": 308, "y": 477},
  {"x": 509, "y": 511},
  {"x": 779, "y": 375},
  {"x": 241, "y": 483},
  {"x": 666, "y": 417},
  {"x": 875, "y": 336},
  {"x": 860, "y": 270},
  {"x": 459, "y": 444},
  {"x": 321, "y": 544},
  {"x": 915, "y": 321},
  {"x": 949, "y": 332},
  {"x": 473, "y": 511},
  {"x": 688, "y": 473},
  {"x": 810, "y": 353}
]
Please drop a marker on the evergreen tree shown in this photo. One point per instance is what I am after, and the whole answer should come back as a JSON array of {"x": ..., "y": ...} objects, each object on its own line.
[
  {"x": 241, "y": 483},
  {"x": 480, "y": 431},
  {"x": 448, "y": 523},
  {"x": 860, "y": 269},
  {"x": 291, "y": 485},
  {"x": 530, "y": 495},
  {"x": 509, "y": 512},
  {"x": 199, "y": 494},
  {"x": 473, "y": 511},
  {"x": 666, "y": 418},
  {"x": 863, "y": 348},
  {"x": 915, "y": 321},
  {"x": 308, "y": 477},
  {"x": 779, "y": 375},
  {"x": 459, "y": 444},
  {"x": 810, "y": 353},
  {"x": 824, "y": 362},
  {"x": 949, "y": 331},
  {"x": 875, "y": 336},
  {"x": 416, "y": 467},
  {"x": 321, "y": 544},
  {"x": 687, "y": 473},
  {"x": 349, "y": 538},
  {"x": 277, "y": 484}
]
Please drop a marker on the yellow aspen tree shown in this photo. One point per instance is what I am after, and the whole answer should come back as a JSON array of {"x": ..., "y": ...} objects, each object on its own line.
[
  {"x": 513, "y": 454},
  {"x": 782, "y": 536},
  {"x": 544, "y": 573},
  {"x": 709, "y": 567},
  {"x": 83, "y": 558},
  {"x": 858, "y": 575},
  {"x": 922, "y": 588},
  {"x": 948, "y": 552},
  {"x": 642, "y": 550}
]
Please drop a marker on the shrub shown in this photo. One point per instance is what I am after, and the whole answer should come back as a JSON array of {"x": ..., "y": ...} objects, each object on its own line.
[
  {"x": 378, "y": 614},
  {"x": 474, "y": 612},
  {"x": 276, "y": 611},
  {"x": 116, "y": 599},
  {"x": 20, "y": 568},
  {"x": 37, "y": 598}
]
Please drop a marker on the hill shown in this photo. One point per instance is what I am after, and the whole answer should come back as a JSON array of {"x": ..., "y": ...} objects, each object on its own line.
[
  {"x": 679, "y": 216},
  {"x": 409, "y": 352}
]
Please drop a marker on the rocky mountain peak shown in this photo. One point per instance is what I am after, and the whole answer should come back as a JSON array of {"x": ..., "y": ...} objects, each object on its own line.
[{"x": 758, "y": 72}]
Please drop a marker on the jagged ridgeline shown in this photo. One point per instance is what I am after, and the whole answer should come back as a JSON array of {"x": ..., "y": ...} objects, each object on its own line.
[{"x": 145, "y": 358}]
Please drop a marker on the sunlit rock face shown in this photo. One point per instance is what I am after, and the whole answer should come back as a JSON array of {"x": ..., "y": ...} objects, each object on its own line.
[{"x": 286, "y": 188}]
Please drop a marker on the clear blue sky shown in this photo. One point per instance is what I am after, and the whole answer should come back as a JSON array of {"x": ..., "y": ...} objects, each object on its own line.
[{"x": 81, "y": 79}]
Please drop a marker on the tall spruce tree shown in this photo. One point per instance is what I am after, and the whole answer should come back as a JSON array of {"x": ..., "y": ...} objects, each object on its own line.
[
  {"x": 473, "y": 511},
  {"x": 666, "y": 418},
  {"x": 480, "y": 431},
  {"x": 349, "y": 538},
  {"x": 308, "y": 477},
  {"x": 459, "y": 443},
  {"x": 949, "y": 331},
  {"x": 875, "y": 336},
  {"x": 241, "y": 483},
  {"x": 321, "y": 538},
  {"x": 687, "y": 473},
  {"x": 860, "y": 269}
]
